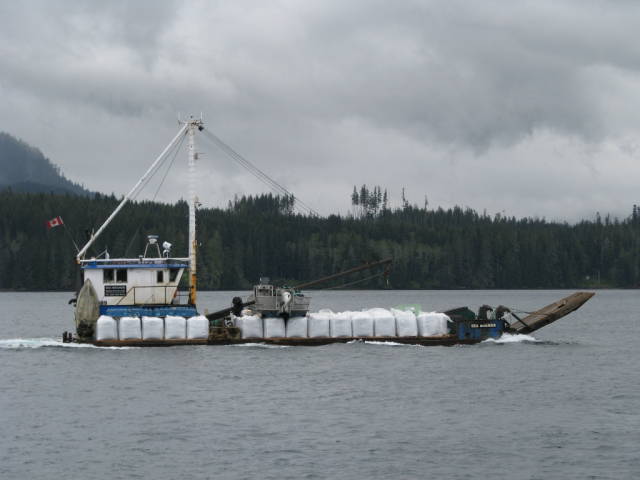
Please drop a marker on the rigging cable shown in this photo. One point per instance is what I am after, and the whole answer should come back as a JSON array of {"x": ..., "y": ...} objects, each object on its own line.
[
  {"x": 169, "y": 167},
  {"x": 259, "y": 174},
  {"x": 176, "y": 149},
  {"x": 356, "y": 282}
]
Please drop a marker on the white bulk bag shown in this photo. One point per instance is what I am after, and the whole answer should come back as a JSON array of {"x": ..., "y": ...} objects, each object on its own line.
[
  {"x": 250, "y": 326},
  {"x": 340, "y": 325},
  {"x": 297, "y": 327},
  {"x": 362, "y": 324},
  {"x": 106, "y": 328},
  {"x": 274, "y": 327},
  {"x": 152, "y": 328},
  {"x": 175, "y": 328},
  {"x": 384, "y": 323},
  {"x": 432, "y": 323},
  {"x": 198, "y": 328},
  {"x": 318, "y": 324},
  {"x": 406, "y": 324},
  {"x": 129, "y": 328}
]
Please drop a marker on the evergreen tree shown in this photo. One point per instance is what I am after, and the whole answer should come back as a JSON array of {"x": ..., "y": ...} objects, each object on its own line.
[{"x": 262, "y": 236}]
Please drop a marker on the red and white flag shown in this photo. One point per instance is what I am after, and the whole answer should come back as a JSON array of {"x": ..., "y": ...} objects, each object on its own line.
[{"x": 55, "y": 222}]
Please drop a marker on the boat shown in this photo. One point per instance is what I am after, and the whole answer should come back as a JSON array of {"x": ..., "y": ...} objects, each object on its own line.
[{"x": 138, "y": 301}]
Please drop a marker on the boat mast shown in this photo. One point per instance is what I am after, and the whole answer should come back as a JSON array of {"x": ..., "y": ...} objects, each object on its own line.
[{"x": 192, "y": 125}]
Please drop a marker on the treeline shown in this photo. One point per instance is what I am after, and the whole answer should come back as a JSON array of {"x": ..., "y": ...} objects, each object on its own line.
[{"x": 262, "y": 236}]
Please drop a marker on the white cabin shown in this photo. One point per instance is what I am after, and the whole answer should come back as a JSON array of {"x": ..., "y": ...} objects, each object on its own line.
[
  {"x": 149, "y": 282},
  {"x": 137, "y": 281}
]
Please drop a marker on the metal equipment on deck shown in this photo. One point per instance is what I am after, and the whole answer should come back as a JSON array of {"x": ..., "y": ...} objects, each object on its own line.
[{"x": 286, "y": 301}]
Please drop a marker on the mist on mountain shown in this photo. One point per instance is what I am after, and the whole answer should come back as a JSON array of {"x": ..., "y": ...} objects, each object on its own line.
[{"x": 24, "y": 168}]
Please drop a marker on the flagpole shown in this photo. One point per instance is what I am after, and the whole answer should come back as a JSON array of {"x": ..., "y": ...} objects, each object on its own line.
[{"x": 70, "y": 236}]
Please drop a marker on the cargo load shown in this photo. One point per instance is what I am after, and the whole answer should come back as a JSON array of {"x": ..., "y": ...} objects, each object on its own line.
[
  {"x": 384, "y": 323},
  {"x": 340, "y": 325},
  {"x": 175, "y": 328},
  {"x": 406, "y": 323},
  {"x": 152, "y": 328},
  {"x": 274, "y": 327},
  {"x": 318, "y": 324},
  {"x": 129, "y": 328},
  {"x": 362, "y": 324},
  {"x": 198, "y": 328},
  {"x": 106, "y": 328},
  {"x": 297, "y": 327},
  {"x": 432, "y": 323},
  {"x": 250, "y": 326}
]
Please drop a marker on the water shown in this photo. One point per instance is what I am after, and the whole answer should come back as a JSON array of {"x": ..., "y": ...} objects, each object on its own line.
[{"x": 563, "y": 404}]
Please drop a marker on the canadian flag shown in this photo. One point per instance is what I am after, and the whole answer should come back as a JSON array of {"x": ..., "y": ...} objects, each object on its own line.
[{"x": 55, "y": 222}]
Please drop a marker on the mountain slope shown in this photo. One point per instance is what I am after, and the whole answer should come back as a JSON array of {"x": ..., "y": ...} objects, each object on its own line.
[{"x": 24, "y": 168}]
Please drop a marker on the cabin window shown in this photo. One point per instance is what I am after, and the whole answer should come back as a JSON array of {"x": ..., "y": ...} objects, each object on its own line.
[
  {"x": 107, "y": 275},
  {"x": 121, "y": 275},
  {"x": 160, "y": 276},
  {"x": 173, "y": 274}
]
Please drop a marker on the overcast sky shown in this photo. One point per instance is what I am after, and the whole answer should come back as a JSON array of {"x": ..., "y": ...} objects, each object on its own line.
[{"x": 522, "y": 107}]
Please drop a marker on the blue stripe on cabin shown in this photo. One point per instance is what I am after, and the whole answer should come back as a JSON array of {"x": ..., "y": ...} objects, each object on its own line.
[
  {"x": 150, "y": 266},
  {"x": 148, "y": 311}
]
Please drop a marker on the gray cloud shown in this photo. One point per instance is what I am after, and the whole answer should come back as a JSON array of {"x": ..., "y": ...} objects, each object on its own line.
[{"x": 438, "y": 97}]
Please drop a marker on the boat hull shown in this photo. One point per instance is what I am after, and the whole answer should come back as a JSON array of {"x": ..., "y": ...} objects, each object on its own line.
[
  {"x": 440, "y": 340},
  {"x": 464, "y": 331}
]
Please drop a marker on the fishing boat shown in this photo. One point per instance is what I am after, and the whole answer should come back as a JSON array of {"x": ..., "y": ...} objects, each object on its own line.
[
  {"x": 119, "y": 293},
  {"x": 138, "y": 301}
]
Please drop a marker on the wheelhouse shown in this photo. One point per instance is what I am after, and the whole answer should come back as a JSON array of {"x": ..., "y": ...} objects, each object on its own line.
[{"x": 144, "y": 281}]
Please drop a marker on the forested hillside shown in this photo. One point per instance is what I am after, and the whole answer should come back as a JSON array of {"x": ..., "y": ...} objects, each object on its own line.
[
  {"x": 261, "y": 236},
  {"x": 24, "y": 168}
]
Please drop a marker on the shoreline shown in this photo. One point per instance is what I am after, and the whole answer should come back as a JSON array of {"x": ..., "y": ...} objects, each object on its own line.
[{"x": 374, "y": 289}]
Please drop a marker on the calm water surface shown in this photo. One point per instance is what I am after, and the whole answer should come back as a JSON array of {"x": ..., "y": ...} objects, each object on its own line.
[{"x": 565, "y": 406}]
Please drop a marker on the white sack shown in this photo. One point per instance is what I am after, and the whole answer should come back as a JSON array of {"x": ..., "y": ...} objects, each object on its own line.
[
  {"x": 297, "y": 327},
  {"x": 152, "y": 328},
  {"x": 432, "y": 323},
  {"x": 129, "y": 328},
  {"x": 250, "y": 326},
  {"x": 406, "y": 323},
  {"x": 198, "y": 328},
  {"x": 340, "y": 325},
  {"x": 175, "y": 328},
  {"x": 318, "y": 324},
  {"x": 274, "y": 327},
  {"x": 362, "y": 324},
  {"x": 384, "y": 323},
  {"x": 106, "y": 328}
]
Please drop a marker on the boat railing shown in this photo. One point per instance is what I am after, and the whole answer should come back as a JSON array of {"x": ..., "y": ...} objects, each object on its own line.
[
  {"x": 143, "y": 293},
  {"x": 174, "y": 261}
]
